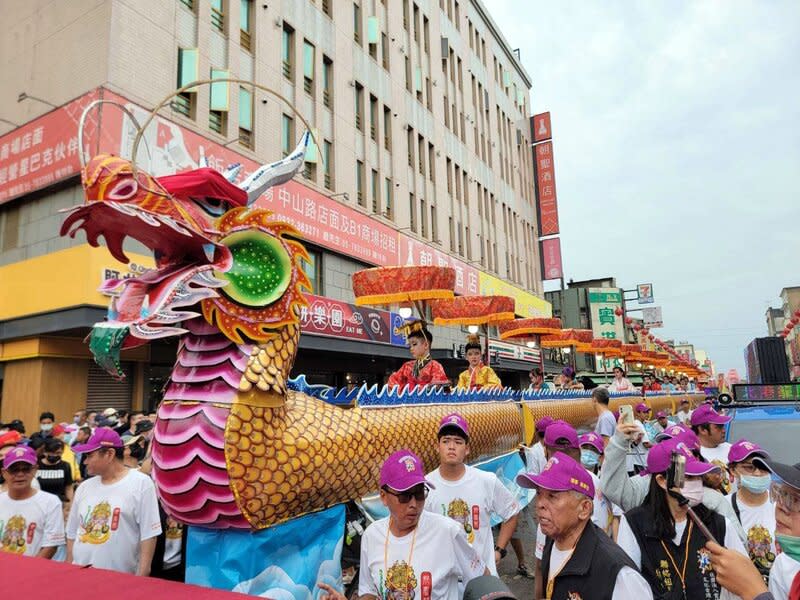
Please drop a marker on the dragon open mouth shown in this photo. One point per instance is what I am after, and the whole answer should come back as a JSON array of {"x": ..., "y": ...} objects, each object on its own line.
[{"x": 185, "y": 260}]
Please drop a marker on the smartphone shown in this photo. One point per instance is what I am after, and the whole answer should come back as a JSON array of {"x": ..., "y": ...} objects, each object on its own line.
[
  {"x": 626, "y": 414},
  {"x": 676, "y": 478}
]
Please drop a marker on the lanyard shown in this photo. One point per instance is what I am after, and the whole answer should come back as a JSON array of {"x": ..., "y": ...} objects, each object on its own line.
[
  {"x": 681, "y": 573},
  {"x": 386, "y": 548},
  {"x": 551, "y": 581}
]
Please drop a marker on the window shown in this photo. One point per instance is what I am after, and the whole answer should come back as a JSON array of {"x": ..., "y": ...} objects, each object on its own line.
[
  {"x": 357, "y": 23},
  {"x": 385, "y": 51},
  {"x": 188, "y": 4},
  {"x": 246, "y": 118},
  {"x": 373, "y": 118},
  {"x": 388, "y": 210},
  {"x": 421, "y": 155},
  {"x": 184, "y": 103},
  {"x": 287, "y": 134},
  {"x": 408, "y": 73},
  {"x": 423, "y": 217},
  {"x": 387, "y": 128},
  {"x": 426, "y": 38},
  {"x": 360, "y": 183},
  {"x": 10, "y": 229},
  {"x": 327, "y": 82},
  {"x": 434, "y": 227},
  {"x": 410, "y": 145},
  {"x": 287, "y": 51},
  {"x": 217, "y": 15},
  {"x": 405, "y": 15},
  {"x": 245, "y": 16},
  {"x": 375, "y": 191},
  {"x": 412, "y": 211},
  {"x": 216, "y": 121},
  {"x": 327, "y": 157},
  {"x": 313, "y": 269},
  {"x": 326, "y": 7},
  {"x": 310, "y": 171},
  {"x": 359, "y": 100},
  {"x": 308, "y": 67},
  {"x": 431, "y": 162}
]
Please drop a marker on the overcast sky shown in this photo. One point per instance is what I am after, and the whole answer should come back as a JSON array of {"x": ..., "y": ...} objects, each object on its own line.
[{"x": 677, "y": 152}]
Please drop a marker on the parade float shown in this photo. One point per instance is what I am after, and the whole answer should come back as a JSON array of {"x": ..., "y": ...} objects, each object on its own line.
[{"x": 258, "y": 464}]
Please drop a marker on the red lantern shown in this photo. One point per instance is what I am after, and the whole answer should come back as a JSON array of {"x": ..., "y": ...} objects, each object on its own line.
[
  {"x": 795, "y": 320},
  {"x": 797, "y": 313},
  {"x": 618, "y": 311},
  {"x": 645, "y": 330},
  {"x": 637, "y": 327},
  {"x": 628, "y": 320}
]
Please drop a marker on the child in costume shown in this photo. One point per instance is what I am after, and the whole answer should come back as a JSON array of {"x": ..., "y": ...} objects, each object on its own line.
[
  {"x": 423, "y": 370},
  {"x": 477, "y": 375}
]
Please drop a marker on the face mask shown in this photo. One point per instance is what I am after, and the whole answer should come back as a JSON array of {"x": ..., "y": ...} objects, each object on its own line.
[
  {"x": 76, "y": 420},
  {"x": 693, "y": 492},
  {"x": 757, "y": 484},
  {"x": 589, "y": 458},
  {"x": 790, "y": 544},
  {"x": 46, "y": 426}
]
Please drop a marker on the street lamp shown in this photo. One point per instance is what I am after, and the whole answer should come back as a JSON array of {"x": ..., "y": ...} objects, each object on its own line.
[
  {"x": 473, "y": 329},
  {"x": 405, "y": 312},
  {"x": 531, "y": 344}
]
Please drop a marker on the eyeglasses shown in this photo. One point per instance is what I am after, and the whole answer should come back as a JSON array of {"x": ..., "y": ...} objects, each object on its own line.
[
  {"x": 419, "y": 494},
  {"x": 749, "y": 468},
  {"x": 788, "y": 500},
  {"x": 24, "y": 468}
]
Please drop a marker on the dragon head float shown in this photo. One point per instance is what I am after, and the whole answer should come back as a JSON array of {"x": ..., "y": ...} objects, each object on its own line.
[{"x": 210, "y": 248}]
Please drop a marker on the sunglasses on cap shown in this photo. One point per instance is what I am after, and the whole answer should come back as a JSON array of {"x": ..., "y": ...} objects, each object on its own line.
[{"x": 419, "y": 493}]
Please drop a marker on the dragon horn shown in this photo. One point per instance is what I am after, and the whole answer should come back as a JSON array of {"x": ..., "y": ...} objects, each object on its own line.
[
  {"x": 273, "y": 174},
  {"x": 232, "y": 172}
]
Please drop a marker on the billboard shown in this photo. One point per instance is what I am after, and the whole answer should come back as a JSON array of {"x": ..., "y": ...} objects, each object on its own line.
[
  {"x": 603, "y": 303},
  {"x": 541, "y": 127},
  {"x": 551, "y": 258},
  {"x": 652, "y": 317},
  {"x": 526, "y": 304},
  {"x": 546, "y": 180},
  {"x": 334, "y": 318},
  {"x": 414, "y": 252},
  {"x": 645, "y": 293}
]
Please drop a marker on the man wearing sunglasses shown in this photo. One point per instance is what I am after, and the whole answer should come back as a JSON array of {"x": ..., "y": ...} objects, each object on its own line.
[
  {"x": 32, "y": 521},
  {"x": 412, "y": 553},
  {"x": 470, "y": 496},
  {"x": 710, "y": 428}
]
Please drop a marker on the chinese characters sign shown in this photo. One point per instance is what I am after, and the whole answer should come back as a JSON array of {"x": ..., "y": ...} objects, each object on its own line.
[
  {"x": 413, "y": 252},
  {"x": 652, "y": 317},
  {"x": 603, "y": 303},
  {"x": 541, "y": 127},
  {"x": 551, "y": 259},
  {"x": 332, "y": 318},
  {"x": 545, "y": 172},
  {"x": 45, "y": 150}
]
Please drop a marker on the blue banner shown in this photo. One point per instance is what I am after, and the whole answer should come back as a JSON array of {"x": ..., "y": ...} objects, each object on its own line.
[
  {"x": 506, "y": 467},
  {"x": 284, "y": 562}
]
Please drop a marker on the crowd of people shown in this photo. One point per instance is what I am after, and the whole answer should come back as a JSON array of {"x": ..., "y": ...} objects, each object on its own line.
[
  {"x": 82, "y": 493},
  {"x": 640, "y": 507}
]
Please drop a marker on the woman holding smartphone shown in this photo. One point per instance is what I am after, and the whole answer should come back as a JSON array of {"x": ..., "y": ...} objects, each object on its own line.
[{"x": 664, "y": 542}]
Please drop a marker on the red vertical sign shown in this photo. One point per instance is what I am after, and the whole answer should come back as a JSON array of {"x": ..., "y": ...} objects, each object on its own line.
[
  {"x": 541, "y": 127},
  {"x": 551, "y": 259},
  {"x": 548, "y": 206}
]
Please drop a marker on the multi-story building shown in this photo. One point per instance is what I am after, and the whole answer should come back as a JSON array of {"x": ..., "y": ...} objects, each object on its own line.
[
  {"x": 790, "y": 304},
  {"x": 775, "y": 321},
  {"x": 420, "y": 113}
]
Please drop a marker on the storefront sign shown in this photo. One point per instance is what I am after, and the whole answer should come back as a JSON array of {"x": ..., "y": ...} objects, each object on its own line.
[
  {"x": 45, "y": 150},
  {"x": 414, "y": 252},
  {"x": 541, "y": 127},
  {"x": 332, "y": 318},
  {"x": 652, "y": 317},
  {"x": 756, "y": 392},
  {"x": 603, "y": 303},
  {"x": 645, "y": 293},
  {"x": 546, "y": 179},
  {"x": 514, "y": 352},
  {"x": 526, "y": 304},
  {"x": 551, "y": 258}
]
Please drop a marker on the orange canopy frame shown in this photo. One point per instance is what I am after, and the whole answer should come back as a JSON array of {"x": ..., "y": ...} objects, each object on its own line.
[
  {"x": 608, "y": 348},
  {"x": 525, "y": 328},
  {"x": 473, "y": 310},
  {"x": 396, "y": 285},
  {"x": 580, "y": 338}
]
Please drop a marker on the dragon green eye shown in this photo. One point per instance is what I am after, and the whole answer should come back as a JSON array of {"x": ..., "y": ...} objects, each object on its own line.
[{"x": 261, "y": 269}]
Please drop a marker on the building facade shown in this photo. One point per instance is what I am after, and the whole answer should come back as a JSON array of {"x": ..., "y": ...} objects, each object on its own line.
[
  {"x": 790, "y": 304},
  {"x": 420, "y": 114}
]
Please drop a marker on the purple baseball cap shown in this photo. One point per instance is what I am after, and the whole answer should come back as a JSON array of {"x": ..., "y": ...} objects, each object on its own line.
[
  {"x": 561, "y": 434},
  {"x": 402, "y": 471},
  {"x": 568, "y": 371},
  {"x": 454, "y": 420},
  {"x": 642, "y": 407},
  {"x": 560, "y": 474},
  {"x": 743, "y": 449},
  {"x": 20, "y": 454},
  {"x": 543, "y": 423},
  {"x": 672, "y": 431},
  {"x": 661, "y": 415},
  {"x": 101, "y": 438},
  {"x": 660, "y": 457},
  {"x": 592, "y": 439},
  {"x": 705, "y": 414}
]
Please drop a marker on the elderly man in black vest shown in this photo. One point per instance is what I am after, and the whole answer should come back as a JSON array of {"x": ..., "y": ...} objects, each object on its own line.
[{"x": 579, "y": 561}]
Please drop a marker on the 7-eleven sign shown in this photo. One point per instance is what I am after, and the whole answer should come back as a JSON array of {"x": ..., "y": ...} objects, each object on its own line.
[{"x": 645, "y": 291}]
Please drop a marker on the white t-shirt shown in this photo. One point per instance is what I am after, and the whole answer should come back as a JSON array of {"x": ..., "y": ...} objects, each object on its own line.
[
  {"x": 108, "y": 521},
  {"x": 759, "y": 525},
  {"x": 637, "y": 453},
  {"x": 627, "y": 541},
  {"x": 606, "y": 424},
  {"x": 719, "y": 457},
  {"x": 440, "y": 555},
  {"x": 27, "y": 526},
  {"x": 629, "y": 584},
  {"x": 685, "y": 416},
  {"x": 470, "y": 502},
  {"x": 783, "y": 572},
  {"x": 535, "y": 458}
]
